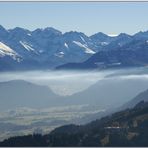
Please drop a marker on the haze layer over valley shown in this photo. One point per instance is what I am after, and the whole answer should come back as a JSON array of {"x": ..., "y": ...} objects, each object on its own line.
[
  {"x": 39, "y": 101},
  {"x": 60, "y": 82},
  {"x": 75, "y": 87}
]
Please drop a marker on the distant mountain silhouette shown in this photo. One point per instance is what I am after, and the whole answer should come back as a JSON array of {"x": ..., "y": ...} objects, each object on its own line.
[{"x": 19, "y": 93}]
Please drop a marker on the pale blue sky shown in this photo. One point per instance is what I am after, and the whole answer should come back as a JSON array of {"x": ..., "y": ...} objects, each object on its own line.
[{"x": 87, "y": 17}]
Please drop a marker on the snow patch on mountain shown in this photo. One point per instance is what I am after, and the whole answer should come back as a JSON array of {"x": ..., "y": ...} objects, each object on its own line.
[
  {"x": 59, "y": 54},
  {"x": 29, "y": 34},
  {"x": 104, "y": 43},
  {"x": 82, "y": 39},
  {"x": 87, "y": 50},
  {"x": 6, "y": 50},
  {"x": 66, "y": 45},
  {"x": 41, "y": 51},
  {"x": 27, "y": 46},
  {"x": 113, "y": 35}
]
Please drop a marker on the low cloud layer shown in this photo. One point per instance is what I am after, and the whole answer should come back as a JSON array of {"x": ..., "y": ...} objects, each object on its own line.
[{"x": 70, "y": 82}]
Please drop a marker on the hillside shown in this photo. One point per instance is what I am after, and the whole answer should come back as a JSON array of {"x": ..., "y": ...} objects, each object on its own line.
[
  {"x": 20, "y": 93},
  {"x": 143, "y": 96},
  {"x": 124, "y": 128}
]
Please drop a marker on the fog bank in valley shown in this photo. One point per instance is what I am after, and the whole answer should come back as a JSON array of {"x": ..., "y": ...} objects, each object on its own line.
[
  {"x": 60, "y": 82},
  {"x": 110, "y": 87}
]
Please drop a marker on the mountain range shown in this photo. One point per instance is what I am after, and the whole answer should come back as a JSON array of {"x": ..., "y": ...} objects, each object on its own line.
[
  {"x": 48, "y": 48},
  {"x": 131, "y": 54},
  {"x": 42, "y": 48}
]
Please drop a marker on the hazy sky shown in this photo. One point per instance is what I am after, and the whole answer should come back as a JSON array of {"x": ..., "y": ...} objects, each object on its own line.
[{"x": 87, "y": 17}]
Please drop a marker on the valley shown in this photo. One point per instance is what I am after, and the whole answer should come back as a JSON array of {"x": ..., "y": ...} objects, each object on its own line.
[
  {"x": 23, "y": 121},
  {"x": 38, "y": 104}
]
